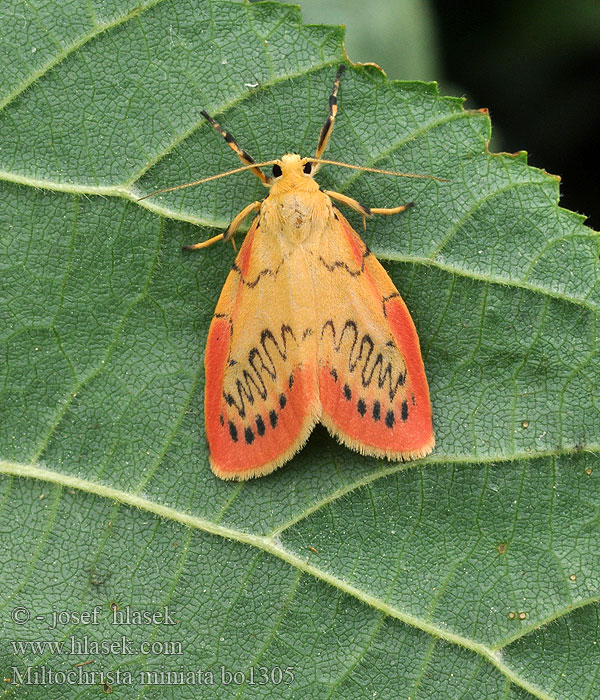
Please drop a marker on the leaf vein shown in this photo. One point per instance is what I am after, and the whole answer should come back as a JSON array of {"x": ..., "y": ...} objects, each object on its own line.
[{"x": 68, "y": 50}]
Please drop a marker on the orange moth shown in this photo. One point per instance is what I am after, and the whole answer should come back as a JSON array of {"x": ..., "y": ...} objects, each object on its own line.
[{"x": 309, "y": 327}]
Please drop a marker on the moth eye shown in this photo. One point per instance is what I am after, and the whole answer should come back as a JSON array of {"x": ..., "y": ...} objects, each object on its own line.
[
  {"x": 307, "y": 168},
  {"x": 276, "y": 170}
]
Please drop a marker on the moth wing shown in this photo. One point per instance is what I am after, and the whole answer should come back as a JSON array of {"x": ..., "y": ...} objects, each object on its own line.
[
  {"x": 372, "y": 383},
  {"x": 261, "y": 397}
]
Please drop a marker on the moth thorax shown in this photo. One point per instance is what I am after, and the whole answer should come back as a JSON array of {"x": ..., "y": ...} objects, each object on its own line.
[{"x": 301, "y": 215}]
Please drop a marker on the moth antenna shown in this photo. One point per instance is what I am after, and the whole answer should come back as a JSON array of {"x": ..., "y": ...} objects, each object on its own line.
[
  {"x": 378, "y": 170},
  {"x": 208, "y": 179},
  {"x": 327, "y": 128},
  {"x": 243, "y": 155}
]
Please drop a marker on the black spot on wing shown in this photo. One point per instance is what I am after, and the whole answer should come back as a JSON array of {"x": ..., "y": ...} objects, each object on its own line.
[
  {"x": 376, "y": 410},
  {"x": 273, "y": 418},
  {"x": 404, "y": 411}
]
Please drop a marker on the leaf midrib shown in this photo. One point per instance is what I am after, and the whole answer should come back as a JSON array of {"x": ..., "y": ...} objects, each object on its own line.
[
  {"x": 271, "y": 544},
  {"x": 222, "y": 224},
  {"x": 128, "y": 191}
]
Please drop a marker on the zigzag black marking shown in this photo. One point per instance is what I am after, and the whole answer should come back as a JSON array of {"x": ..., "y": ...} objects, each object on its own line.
[
  {"x": 385, "y": 300},
  {"x": 341, "y": 264},
  {"x": 267, "y": 272},
  {"x": 363, "y": 350},
  {"x": 262, "y": 365}
]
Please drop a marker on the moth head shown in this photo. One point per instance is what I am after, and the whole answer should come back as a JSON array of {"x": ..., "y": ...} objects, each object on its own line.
[{"x": 292, "y": 164}]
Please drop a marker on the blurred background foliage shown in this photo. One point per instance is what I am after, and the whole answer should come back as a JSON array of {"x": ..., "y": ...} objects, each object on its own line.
[{"x": 535, "y": 64}]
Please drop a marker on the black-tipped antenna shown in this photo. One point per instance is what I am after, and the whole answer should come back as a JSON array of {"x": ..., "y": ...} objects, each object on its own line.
[
  {"x": 327, "y": 128},
  {"x": 207, "y": 179},
  {"x": 245, "y": 157}
]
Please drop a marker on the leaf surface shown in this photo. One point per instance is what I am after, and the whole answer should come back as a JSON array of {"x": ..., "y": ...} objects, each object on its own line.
[{"x": 473, "y": 573}]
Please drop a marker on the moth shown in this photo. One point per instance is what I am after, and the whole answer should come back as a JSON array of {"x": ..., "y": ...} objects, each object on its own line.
[{"x": 308, "y": 328}]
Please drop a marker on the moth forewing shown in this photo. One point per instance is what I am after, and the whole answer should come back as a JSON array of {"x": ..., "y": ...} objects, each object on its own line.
[{"x": 309, "y": 327}]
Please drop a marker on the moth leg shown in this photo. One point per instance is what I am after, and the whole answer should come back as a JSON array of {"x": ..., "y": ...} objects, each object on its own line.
[
  {"x": 243, "y": 155},
  {"x": 229, "y": 231},
  {"x": 394, "y": 210},
  {"x": 352, "y": 203},
  {"x": 327, "y": 128},
  {"x": 203, "y": 244},
  {"x": 237, "y": 220},
  {"x": 363, "y": 210}
]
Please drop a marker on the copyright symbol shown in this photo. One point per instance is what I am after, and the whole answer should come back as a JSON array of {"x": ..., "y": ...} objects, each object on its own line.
[{"x": 20, "y": 615}]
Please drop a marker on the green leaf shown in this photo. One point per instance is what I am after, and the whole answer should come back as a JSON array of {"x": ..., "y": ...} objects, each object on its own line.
[
  {"x": 474, "y": 573},
  {"x": 376, "y": 29}
]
